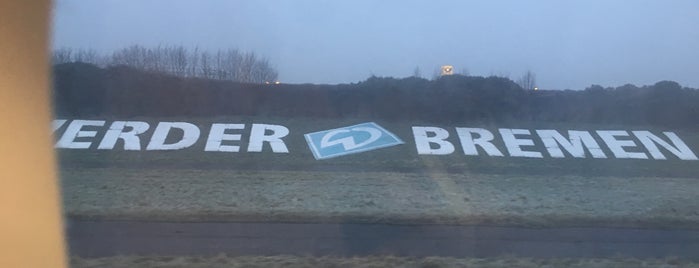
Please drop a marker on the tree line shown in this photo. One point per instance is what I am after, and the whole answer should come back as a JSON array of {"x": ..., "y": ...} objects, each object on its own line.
[
  {"x": 120, "y": 91},
  {"x": 222, "y": 64}
]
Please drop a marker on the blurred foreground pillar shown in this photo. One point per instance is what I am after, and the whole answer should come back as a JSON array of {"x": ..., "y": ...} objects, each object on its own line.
[{"x": 30, "y": 220}]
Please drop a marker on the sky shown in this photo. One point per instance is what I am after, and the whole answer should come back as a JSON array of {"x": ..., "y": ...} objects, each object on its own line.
[{"x": 567, "y": 44}]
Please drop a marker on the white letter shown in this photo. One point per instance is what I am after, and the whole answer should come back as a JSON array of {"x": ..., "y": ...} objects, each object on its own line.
[
  {"x": 157, "y": 142},
  {"x": 468, "y": 143},
  {"x": 217, "y": 135},
  {"x": 514, "y": 145},
  {"x": 258, "y": 137},
  {"x": 56, "y": 124},
  {"x": 575, "y": 144},
  {"x": 130, "y": 138},
  {"x": 617, "y": 146},
  {"x": 75, "y": 131},
  {"x": 422, "y": 141},
  {"x": 680, "y": 149}
]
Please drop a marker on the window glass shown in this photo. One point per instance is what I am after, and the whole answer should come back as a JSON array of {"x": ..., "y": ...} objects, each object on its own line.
[{"x": 385, "y": 133}]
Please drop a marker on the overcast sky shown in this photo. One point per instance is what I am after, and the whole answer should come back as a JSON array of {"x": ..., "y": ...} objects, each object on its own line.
[{"x": 568, "y": 44}]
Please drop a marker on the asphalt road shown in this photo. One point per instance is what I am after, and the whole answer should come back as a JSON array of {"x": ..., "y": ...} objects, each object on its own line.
[{"x": 110, "y": 238}]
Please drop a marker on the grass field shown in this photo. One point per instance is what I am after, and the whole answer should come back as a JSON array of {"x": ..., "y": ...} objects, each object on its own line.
[
  {"x": 393, "y": 184},
  {"x": 204, "y": 195}
]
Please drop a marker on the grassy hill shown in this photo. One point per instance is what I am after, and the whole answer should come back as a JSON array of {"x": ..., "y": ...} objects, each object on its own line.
[{"x": 392, "y": 185}]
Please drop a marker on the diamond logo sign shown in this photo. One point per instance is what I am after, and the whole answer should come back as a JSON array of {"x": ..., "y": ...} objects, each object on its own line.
[{"x": 349, "y": 140}]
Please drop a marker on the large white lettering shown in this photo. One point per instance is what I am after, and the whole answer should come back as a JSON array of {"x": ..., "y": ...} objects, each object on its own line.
[
  {"x": 189, "y": 137},
  {"x": 423, "y": 142},
  {"x": 575, "y": 144},
  {"x": 56, "y": 124},
  {"x": 258, "y": 138},
  {"x": 75, "y": 130},
  {"x": 217, "y": 135},
  {"x": 617, "y": 146},
  {"x": 81, "y": 134},
  {"x": 514, "y": 144},
  {"x": 484, "y": 140},
  {"x": 130, "y": 138},
  {"x": 677, "y": 148}
]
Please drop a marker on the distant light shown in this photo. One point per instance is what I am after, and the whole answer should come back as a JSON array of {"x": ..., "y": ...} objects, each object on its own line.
[
  {"x": 266, "y": 82},
  {"x": 277, "y": 82},
  {"x": 536, "y": 88},
  {"x": 447, "y": 70}
]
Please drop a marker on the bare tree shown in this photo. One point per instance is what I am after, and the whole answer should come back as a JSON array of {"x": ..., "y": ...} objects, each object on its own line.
[
  {"x": 527, "y": 81},
  {"x": 437, "y": 73},
  {"x": 178, "y": 60},
  {"x": 134, "y": 56},
  {"x": 155, "y": 59},
  {"x": 67, "y": 55},
  {"x": 85, "y": 55},
  {"x": 263, "y": 72},
  {"x": 229, "y": 64},
  {"x": 194, "y": 64},
  {"x": 416, "y": 72},
  {"x": 206, "y": 69},
  {"x": 62, "y": 55},
  {"x": 244, "y": 72}
]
